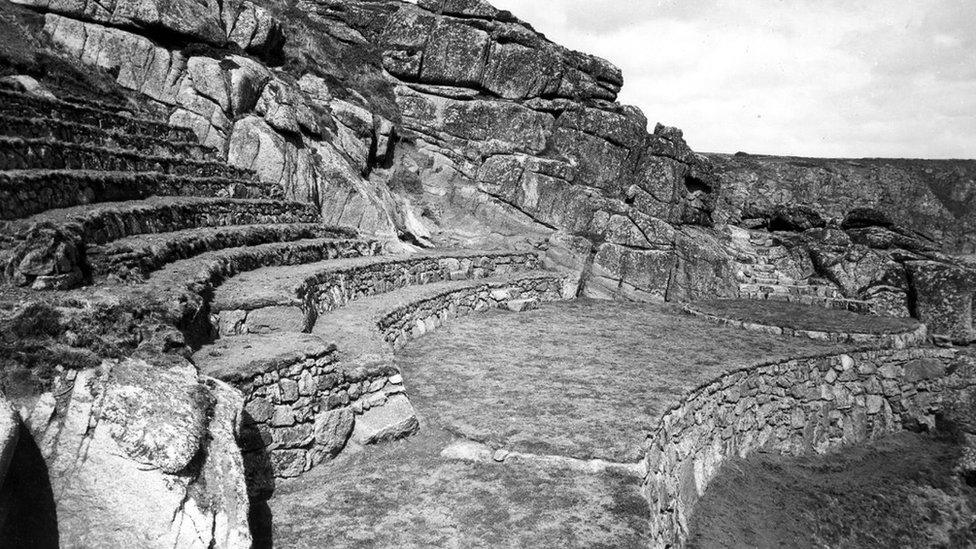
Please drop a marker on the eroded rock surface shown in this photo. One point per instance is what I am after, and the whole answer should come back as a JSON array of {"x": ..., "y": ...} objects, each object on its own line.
[
  {"x": 152, "y": 449},
  {"x": 498, "y": 138}
]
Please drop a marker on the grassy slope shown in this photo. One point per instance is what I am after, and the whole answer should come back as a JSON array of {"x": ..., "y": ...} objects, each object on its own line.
[{"x": 899, "y": 492}]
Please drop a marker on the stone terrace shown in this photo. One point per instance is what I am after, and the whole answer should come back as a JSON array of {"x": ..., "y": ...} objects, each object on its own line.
[{"x": 579, "y": 393}]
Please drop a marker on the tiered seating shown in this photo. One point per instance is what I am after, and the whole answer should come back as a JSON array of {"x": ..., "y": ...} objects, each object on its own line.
[
  {"x": 357, "y": 310},
  {"x": 763, "y": 280},
  {"x": 205, "y": 248},
  {"x": 57, "y": 154}
]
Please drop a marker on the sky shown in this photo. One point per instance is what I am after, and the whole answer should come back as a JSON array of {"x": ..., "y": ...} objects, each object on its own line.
[{"x": 827, "y": 78}]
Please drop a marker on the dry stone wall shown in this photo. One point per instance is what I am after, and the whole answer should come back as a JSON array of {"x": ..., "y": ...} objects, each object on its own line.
[
  {"x": 330, "y": 288},
  {"x": 794, "y": 406},
  {"x": 302, "y": 407},
  {"x": 414, "y": 320},
  {"x": 903, "y": 340},
  {"x": 24, "y": 194},
  {"x": 297, "y": 415}
]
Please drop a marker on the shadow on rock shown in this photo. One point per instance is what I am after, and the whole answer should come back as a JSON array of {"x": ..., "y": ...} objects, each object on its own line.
[
  {"x": 28, "y": 516},
  {"x": 260, "y": 481}
]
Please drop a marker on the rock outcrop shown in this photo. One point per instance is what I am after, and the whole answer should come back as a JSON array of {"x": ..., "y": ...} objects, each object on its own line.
[
  {"x": 140, "y": 455},
  {"x": 436, "y": 123},
  {"x": 934, "y": 197},
  {"x": 493, "y": 135}
]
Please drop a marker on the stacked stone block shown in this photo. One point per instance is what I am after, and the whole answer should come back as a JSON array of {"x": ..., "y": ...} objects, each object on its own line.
[{"x": 794, "y": 406}]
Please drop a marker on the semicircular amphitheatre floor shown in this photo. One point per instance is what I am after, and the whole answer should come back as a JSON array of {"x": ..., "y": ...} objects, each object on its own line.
[{"x": 569, "y": 383}]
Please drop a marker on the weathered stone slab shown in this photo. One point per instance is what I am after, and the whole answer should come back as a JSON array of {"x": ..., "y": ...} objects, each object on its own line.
[{"x": 396, "y": 419}]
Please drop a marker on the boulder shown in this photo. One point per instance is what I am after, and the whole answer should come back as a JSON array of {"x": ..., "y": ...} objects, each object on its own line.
[
  {"x": 48, "y": 257},
  {"x": 9, "y": 435},
  {"x": 944, "y": 298},
  {"x": 332, "y": 430},
  {"x": 394, "y": 420},
  {"x": 25, "y": 84},
  {"x": 144, "y": 456}
]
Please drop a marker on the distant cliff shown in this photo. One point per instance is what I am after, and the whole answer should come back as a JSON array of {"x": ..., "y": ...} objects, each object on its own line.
[{"x": 934, "y": 197}]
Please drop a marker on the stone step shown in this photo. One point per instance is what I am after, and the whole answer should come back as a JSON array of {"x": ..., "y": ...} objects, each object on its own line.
[
  {"x": 770, "y": 253},
  {"x": 108, "y": 221},
  {"x": 792, "y": 289},
  {"x": 30, "y": 106},
  {"x": 83, "y": 134},
  {"x": 293, "y": 296},
  {"x": 844, "y": 304},
  {"x": 125, "y": 108},
  {"x": 185, "y": 288},
  {"x": 297, "y": 387},
  {"x": 778, "y": 280},
  {"x": 29, "y": 192},
  {"x": 137, "y": 256},
  {"x": 26, "y": 154}
]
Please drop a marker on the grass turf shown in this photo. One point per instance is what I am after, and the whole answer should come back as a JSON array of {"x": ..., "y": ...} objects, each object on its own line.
[
  {"x": 404, "y": 494},
  {"x": 897, "y": 492},
  {"x": 804, "y": 317},
  {"x": 580, "y": 379}
]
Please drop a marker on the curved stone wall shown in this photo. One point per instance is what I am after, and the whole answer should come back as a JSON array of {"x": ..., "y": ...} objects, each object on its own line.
[
  {"x": 902, "y": 340},
  {"x": 332, "y": 289},
  {"x": 414, "y": 320},
  {"x": 299, "y": 411},
  {"x": 304, "y": 399},
  {"x": 334, "y": 286},
  {"x": 795, "y": 406}
]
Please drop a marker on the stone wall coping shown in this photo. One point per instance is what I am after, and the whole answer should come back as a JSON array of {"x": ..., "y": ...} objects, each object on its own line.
[
  {"x": 894, "y": 340},
  {"x": 253, "y": 290},
  {"x": 242, "y": 358},
  {"x": 32, "y": 99},
  {"x": 359, "y": 328},
  {"x": 88, "y": 213}
]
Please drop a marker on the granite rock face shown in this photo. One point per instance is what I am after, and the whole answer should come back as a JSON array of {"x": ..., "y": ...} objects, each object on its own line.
[
  {"x": 239, "y": 22},
  {"x": 462, "y": 126},
  {"x": 934, "y": 197},
  {"x": 152, "y": 449}
]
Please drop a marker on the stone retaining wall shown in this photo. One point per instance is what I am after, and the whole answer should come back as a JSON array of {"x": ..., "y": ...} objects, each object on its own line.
[
  {"x": 414, "y": 320},
  {"x": 126, "y": 257},
  {"x": 301, "y": 414},
  {"x": 330, "y": 289},
  {"x": 32, "y": 106},
  {"x": 901, "y": 340},
  {"x": 26, "y": 193},
  {"x": 67, "y": 131},
  {"x": 793, "y": 406},
  {"x": 108, "y": 222},
  {"x": 45, "y": 154}
]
